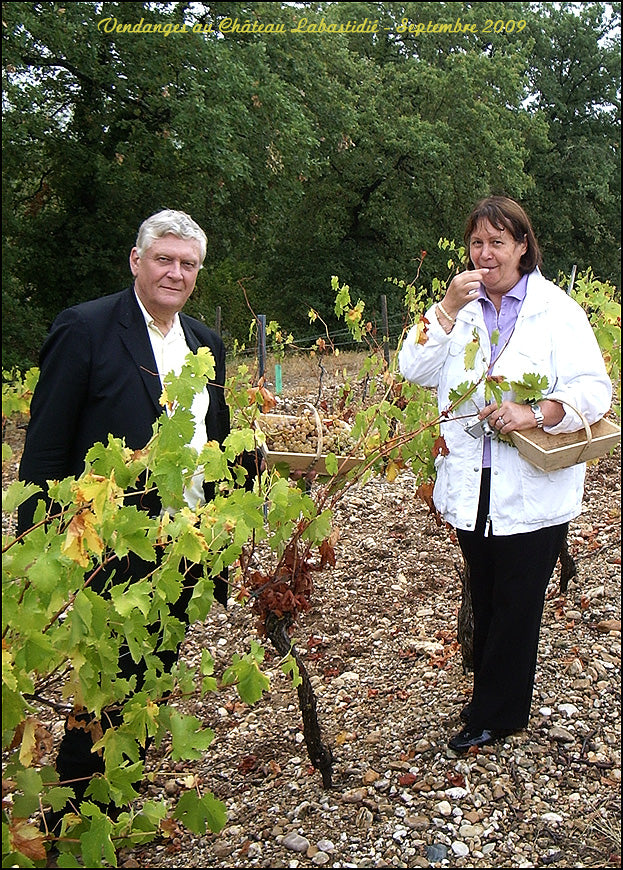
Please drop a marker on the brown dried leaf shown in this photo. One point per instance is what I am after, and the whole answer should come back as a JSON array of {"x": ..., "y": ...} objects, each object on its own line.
[{"x": 27, "y": 839}]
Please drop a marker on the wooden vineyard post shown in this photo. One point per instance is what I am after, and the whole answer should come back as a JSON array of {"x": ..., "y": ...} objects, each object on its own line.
[
  {"x": 261, "y": 344},
  {"x": 385, "y": 328}
]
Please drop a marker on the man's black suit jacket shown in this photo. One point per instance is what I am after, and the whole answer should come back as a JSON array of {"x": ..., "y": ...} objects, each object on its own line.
[{"x": 98, "y": 376}]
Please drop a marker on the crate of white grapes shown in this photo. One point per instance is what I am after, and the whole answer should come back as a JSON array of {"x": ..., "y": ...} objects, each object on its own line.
[{"x": 302, "y": 442}]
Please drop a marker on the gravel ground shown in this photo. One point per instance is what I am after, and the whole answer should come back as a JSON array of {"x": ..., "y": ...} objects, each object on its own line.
[{"x": 380, "y": 645}]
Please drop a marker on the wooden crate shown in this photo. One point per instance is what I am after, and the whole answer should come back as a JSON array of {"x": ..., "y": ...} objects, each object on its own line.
[
  {"x": 305, "y": 461},
  {"x": 551, "y": 452}
]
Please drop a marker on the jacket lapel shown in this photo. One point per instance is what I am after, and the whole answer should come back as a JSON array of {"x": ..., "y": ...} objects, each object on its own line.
[{"x": 136, "y": 340}]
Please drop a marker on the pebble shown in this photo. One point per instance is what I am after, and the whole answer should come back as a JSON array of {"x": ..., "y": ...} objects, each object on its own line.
[
  {"x": 562, "y": 735},
  {"x": 295, "y": 842},
  {"x": 417, "y": 823},
  {"x": 569, "y": 710},
  {"x": 326, "y": 846},
  {"x": 436, "y": 852},
  {"x": 552, "y": 817},
  {"x": 460, "y": 849}
]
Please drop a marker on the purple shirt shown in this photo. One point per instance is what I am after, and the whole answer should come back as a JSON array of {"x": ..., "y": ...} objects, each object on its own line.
[{"x": 504, "y": 322}]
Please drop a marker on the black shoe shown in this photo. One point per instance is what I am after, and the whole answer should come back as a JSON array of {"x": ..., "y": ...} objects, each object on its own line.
[
  {"x": 469, "y": 737},
  {"x": 466, "y": 712}
]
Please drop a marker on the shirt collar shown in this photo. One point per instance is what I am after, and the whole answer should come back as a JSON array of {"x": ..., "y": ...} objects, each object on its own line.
[
  {"x": 151, "y": 323},
  {"x": 517, "y": 292}
]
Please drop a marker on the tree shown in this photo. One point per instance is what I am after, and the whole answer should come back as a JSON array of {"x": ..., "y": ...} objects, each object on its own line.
[
  {"x": 415, "y": 130},
  {"x": 116, "y": 126},
  {"x": 575, "y": 76}
]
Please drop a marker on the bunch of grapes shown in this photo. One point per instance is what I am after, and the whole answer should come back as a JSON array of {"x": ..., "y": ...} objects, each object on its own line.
[
  {"x": 291, "y": 434},
  {"x": 336, "y": 437},
  {"x": 300, "y": 434}
]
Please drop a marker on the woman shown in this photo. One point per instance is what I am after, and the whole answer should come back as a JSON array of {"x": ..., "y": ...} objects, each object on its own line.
[{"x": 511, "y": 519}]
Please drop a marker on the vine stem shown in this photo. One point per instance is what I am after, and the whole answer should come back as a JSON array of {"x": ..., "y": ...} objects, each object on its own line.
[{"x": 320, "y": 755}]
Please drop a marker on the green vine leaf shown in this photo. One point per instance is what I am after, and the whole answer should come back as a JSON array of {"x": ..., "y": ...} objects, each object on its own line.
[
  {"x": 531, "y": 388},
  {"x": 495, "y": 388},
  {"x": 244, "y": 671},
  {"x": 201, "y": 814},
  {"x": 190, "y": 738},
  {"x": 16, "y": 494},
  {"x": 462, "y": 392},
  {"x": 289, "y": 665},
  {"x": 96, "y": 842}
]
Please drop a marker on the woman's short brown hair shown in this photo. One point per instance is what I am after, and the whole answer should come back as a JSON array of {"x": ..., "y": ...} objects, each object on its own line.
[{"x": 504, "y": 213}]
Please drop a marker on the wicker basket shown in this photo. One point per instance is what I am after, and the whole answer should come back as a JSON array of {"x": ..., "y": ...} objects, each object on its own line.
[
  {"x": 551, "y": 452},
  {"x": 305, "y": 461}
]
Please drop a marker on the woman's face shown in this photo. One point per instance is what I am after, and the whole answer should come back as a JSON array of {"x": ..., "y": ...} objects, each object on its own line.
[{"x": 497, "y": 251}]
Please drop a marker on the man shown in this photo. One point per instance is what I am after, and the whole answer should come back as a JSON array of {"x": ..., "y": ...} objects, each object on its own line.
[{"x": 101, "y": 372}]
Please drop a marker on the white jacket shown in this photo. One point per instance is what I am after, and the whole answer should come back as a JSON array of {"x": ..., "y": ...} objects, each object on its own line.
[{"x": 552, "y": 337}]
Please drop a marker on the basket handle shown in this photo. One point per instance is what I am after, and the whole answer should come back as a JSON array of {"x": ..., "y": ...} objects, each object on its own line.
[
  {"x": 587, "y": 428},
  {"x": 319, "y": 430}
]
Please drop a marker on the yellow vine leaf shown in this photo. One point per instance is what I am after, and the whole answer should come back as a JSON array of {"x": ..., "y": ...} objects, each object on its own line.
[
  {"x": 345, "y": 737},
  {"x": 96, "y": 490},
  {"x": 27, "y": 748},
  {"x": 392, "y": 471},
  {"x": 81, "y": 535},
  {"x": 421, "y": 332},
  {"x": 8, "y": 673},
  {"x": 470, "y": 354}
]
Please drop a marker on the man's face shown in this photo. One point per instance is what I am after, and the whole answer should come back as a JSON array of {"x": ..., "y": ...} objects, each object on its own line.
[{"x": 165, "y": 275}]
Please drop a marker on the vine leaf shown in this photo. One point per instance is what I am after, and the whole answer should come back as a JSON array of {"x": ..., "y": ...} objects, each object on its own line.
[
  {"x": 81, "y": 535},
  {"x": 262, "y": 397},
  {"x": 531, "y": 388},
  {"x": 421, "y": 334},
  {"x": 16, "y": 494},
  {"x": 244, "y": 671},
  {"x": 495, "y": 387},
  {"x": 440, "y": 448},
  {"x": 471, "y": 349},
  {"x": 201, "y": 815},
  {"x": 327, "y": 552},
  {"x": 27, "y": 839},
  {"x": 460, "y": 393},
  {"x": 190, "y": 738},
  {"x": 392, "y": 471},
  {"x": 289, "y": 665},
  {"x": 96, "y": 843}
]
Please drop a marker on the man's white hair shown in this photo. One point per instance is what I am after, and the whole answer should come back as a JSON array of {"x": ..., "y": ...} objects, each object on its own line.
[{"x": 170, "y": 222}]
